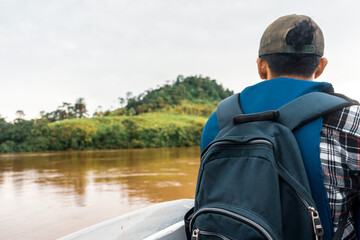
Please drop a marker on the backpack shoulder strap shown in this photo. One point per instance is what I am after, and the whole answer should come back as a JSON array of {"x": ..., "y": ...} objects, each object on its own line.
[
  {"x": 310, "y": 106},
  {"x": 294, "y": 115},
  {"x": 227, "y": 109}
]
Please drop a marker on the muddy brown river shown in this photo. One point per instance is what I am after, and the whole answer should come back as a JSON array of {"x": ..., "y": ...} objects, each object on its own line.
[{"x": 49, "y": 195}]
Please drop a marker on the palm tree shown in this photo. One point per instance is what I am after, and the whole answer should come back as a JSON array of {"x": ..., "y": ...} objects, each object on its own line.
[
  {"x": 68, "y": 109},
  {"x": 20, "y": 114},
  {"x": 80, "y": 107}
]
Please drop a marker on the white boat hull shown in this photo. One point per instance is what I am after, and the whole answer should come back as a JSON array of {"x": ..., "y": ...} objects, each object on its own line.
[{"x": 163, "y": 221}]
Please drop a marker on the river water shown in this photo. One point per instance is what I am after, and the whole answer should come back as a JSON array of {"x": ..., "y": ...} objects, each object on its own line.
[{"x": 49, "y": 195}]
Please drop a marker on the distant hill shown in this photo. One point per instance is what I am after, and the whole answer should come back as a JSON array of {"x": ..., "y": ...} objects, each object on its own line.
[
  {"x": 170, "y": 116},
  {"x": 194, "y": 95}
]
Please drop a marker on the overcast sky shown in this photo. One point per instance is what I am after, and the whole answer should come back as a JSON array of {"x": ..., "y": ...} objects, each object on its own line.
[{"x": 55, "y": 51}]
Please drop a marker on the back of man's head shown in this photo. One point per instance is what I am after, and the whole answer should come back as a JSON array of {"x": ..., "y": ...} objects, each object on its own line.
[{"x": 292, "y": 45}]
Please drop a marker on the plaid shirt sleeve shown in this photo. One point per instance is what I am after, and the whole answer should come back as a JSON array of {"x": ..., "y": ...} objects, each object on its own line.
[{"x": 340, "y": 162}]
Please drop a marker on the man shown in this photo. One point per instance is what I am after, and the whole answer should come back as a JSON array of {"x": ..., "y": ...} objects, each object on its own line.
[{"x": 290, "y": 58}]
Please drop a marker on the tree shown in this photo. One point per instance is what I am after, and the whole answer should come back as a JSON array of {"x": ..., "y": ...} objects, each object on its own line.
[
  {"x": 60, "y": 114},
  {"x": 121, "y": 101},
  {"x": 179, "y": 78},
  {"x": 69, "y": 110},
  {"x": 129, "y": 95},
  {"x": 80, "y": 107},
  {"x": 132, "y": 111},
  {"x": 42, "y": 114},
  {"x": 20, "y": 114}
]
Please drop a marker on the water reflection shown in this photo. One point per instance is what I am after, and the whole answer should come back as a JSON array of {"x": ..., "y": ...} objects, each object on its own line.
[{"x": 100, "y": 184}]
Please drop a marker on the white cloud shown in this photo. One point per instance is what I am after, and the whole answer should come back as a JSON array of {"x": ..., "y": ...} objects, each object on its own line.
[{"x": 56, "y": 51}]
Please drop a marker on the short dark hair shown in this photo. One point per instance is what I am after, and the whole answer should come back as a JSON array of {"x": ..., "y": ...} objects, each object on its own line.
[{"x": 301, "y": 64}]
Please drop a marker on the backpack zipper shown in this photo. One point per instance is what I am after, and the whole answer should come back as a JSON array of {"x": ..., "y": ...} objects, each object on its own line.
[
  {"x": 230, "y": 214},
  {"x": 251, "y": 142},
  {"x": 317, "y": 227},
  {"x": 197, "y": 232}
]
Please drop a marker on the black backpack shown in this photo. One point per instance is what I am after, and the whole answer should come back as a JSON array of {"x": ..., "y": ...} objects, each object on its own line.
[{"x": 252, "y": 183}]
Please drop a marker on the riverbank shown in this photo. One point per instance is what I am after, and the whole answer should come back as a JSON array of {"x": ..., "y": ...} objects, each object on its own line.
[{"x": 147, "y": 130}]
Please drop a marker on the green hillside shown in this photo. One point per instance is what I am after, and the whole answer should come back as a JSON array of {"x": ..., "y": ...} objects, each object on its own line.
[
  {"x": 193, "y": 95},
  {"x": 170, "y": 116}
]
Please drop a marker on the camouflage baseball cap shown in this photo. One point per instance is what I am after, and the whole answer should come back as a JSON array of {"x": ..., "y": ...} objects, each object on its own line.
[{"x": 274, "y": 38}]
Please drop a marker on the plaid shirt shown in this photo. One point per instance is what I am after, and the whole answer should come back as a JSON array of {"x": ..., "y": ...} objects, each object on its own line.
[{"x": 340, "y": 162}]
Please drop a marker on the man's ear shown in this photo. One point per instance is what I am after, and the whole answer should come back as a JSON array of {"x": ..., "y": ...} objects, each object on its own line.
[
  {"x": 262, "y": 68},
  {"x": 320, "y": 68}
]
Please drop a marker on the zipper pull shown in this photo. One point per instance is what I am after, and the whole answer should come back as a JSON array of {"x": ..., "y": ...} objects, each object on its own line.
[
  {"x": 195, "y": 234},
  {"x": 318, "y": 230}
]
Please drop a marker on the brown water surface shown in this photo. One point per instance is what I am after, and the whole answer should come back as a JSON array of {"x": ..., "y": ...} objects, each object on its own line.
[{"x": 49, "y": 195}]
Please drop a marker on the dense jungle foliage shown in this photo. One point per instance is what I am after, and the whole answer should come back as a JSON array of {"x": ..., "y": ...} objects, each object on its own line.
[
  {"x": 170, "y": 116},
  {"x": 194, "y": 95}
]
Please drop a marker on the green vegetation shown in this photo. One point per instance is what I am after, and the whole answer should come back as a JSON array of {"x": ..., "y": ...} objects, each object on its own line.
[
  {"x": 192, "y": 95},
  {"x": 146, "y": 130},
  {"x": 142, "y": 131},
  {"x": 24, "y": 136},
  {"x": 171, "y": 116},
  {"x": 65, "y": 111}
]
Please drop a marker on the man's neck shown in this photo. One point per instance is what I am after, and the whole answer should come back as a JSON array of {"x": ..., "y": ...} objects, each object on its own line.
[
  {"x": 311, "y": 78},
  {"x": 270, "y": 76}
]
